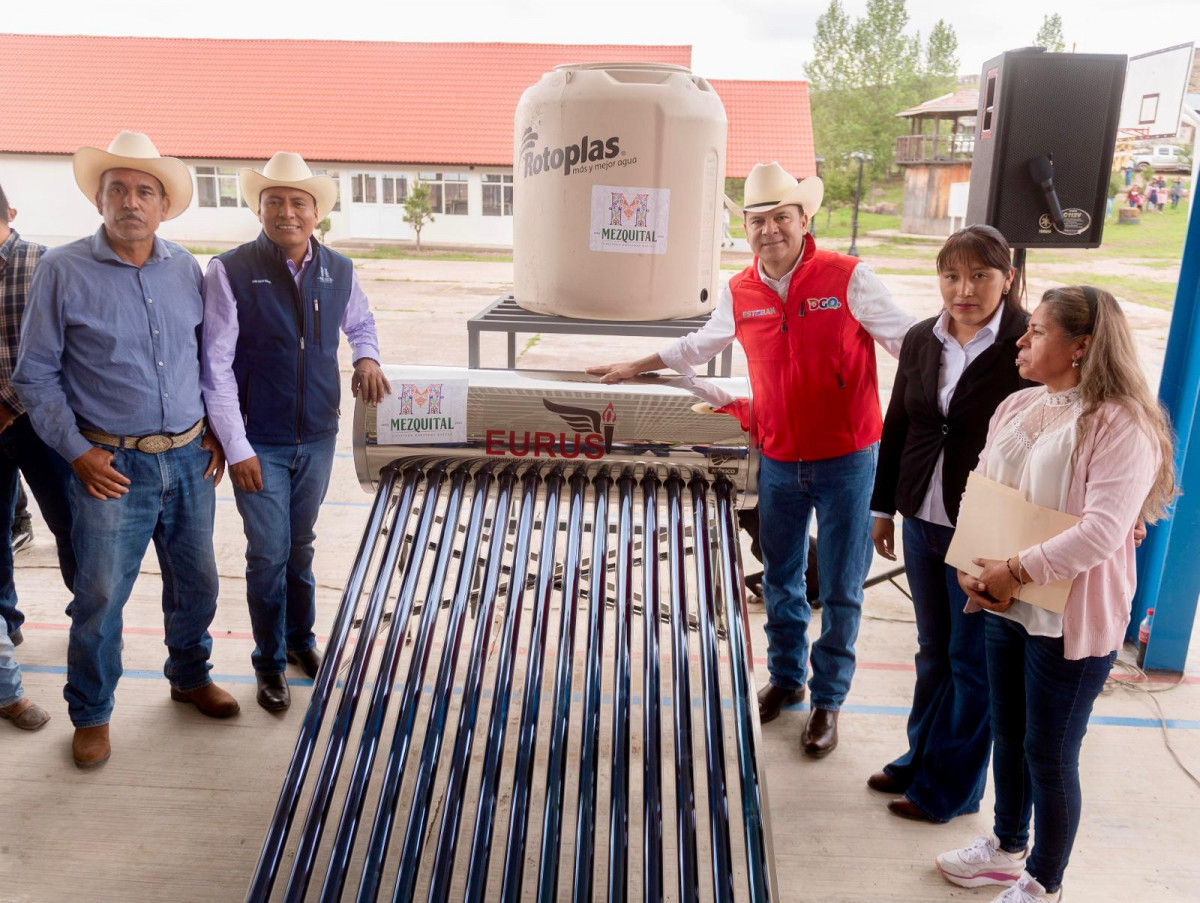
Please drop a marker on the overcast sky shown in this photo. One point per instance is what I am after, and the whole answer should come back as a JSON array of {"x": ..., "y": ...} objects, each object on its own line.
[{"x": 743, "y": 39}]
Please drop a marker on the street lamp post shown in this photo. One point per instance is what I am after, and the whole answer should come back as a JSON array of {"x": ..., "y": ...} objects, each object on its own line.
[{"x": 860, "y": 156}]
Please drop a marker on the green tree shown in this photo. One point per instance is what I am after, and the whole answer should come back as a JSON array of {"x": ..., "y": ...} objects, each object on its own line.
[
  {"x": 418, "y": 210},
  {"x": 1050, "y": 35},
  {"x": 865, "y": 71},
  {"x": 941, "y": 55}
]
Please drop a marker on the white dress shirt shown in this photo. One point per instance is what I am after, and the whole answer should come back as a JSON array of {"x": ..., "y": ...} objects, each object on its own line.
[
  {"x": 955, "y": 360},
  {"x": 869, "y": 301}
]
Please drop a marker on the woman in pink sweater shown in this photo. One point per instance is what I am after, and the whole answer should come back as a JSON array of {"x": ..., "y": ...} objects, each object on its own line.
[{"x": 1091, "y": 441}]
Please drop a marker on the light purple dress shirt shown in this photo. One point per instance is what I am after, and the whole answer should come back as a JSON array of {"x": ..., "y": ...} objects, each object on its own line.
[{"x": 219, "y": 344}]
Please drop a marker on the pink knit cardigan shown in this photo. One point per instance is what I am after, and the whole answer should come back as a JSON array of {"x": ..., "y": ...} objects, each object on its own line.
[{"x": 1115, "y": 470}]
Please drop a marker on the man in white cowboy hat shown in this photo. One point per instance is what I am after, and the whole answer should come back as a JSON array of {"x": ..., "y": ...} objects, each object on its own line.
[
  {"x": 273, "y": 309},
  {"x": 808, "y": 320},
  {"x": 109, "y": 371}
]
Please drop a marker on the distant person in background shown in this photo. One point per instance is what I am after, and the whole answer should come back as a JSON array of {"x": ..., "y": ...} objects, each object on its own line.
[
  {"x": 21, "y": 449},
  {"x": 1176, "y": 192},
  {"x": 726, "y": 237},
  {"x": 954, "y": 370},
  {"x": 1152, "y": 198},
  {"x": 1161, "y": 184},
  {"x": 1092, "y": 441},
  {"x": 1134, "y": 198},
  {"x": 1128, "y": 170}
]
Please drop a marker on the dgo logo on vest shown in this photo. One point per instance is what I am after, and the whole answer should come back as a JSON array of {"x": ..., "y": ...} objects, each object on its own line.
[
  {"x": 587, "y": 150},
  {"x": 824, "y": 303}
]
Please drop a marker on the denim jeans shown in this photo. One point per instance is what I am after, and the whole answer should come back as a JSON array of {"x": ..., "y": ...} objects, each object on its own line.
[
  {"x": 1040, "y": 707},
  {"x": 944, "y": 771},
  {"x": 48, "y": 476},
  {"x": 839, "y": 490},
  {"x": 170, "y": 502},
  {"x": 10, "y": 672},
  {"x": 279, "y": 521}
]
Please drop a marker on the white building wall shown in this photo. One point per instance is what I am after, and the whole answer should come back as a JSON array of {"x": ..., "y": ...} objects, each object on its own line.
[{"x": 51, "y": 209}]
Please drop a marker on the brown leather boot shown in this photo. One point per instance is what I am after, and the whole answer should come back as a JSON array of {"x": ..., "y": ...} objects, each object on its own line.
[
  {"x": 820, "y": 736},
  {"x": 772, "y": 699},
  {"x": 885, "y": 783},
  {"x": 210, "y": 699},
  {"x": 27, "y": 715},
  {"x": 905, "y": 809},
  {"x": 90, "y": 746}
]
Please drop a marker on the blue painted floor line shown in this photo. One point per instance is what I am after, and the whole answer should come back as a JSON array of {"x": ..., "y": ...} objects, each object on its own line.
[{"x": 898, "y": 711}]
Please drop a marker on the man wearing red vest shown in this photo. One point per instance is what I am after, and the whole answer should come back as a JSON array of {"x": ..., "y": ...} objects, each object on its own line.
[{"x": 807, "y": 320}]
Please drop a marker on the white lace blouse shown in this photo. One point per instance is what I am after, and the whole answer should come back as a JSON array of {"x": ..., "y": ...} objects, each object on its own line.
[{"x": 1032, "y": 453}]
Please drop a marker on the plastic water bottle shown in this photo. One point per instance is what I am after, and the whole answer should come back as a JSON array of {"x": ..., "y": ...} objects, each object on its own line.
[{"x": 1144, "y": 636}]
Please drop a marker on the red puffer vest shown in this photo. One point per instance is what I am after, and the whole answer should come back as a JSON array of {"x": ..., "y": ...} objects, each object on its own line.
[{"x": 812, "y": 364}]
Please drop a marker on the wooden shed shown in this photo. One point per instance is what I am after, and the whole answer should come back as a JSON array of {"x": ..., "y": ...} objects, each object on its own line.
[{"x": 935, "y": 155}]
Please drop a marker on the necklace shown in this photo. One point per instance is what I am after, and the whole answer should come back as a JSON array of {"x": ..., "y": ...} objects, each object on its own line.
[{"x": 1061, "y": 401}]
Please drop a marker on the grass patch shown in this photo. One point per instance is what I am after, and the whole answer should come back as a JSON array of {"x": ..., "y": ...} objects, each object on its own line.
[
  {"x": 903, "y": 271},
  {"x": 1127, "y": 288},
  {"x": 533, "y": 340},
  {"x": 406, "y": 254},
  {"x": 202, "y": 251}
]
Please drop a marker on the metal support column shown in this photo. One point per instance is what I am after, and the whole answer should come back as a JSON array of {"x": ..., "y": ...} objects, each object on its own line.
[{"x": 1168, "y": 579}]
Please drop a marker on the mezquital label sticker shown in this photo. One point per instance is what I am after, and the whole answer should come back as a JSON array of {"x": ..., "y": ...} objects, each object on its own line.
[
  {"x": 423, "y": 413},
  {"x": 630, "y": 220}
]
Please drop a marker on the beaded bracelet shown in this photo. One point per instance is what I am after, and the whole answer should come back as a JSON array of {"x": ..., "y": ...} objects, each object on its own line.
[{"x": 1015, "y": 575}]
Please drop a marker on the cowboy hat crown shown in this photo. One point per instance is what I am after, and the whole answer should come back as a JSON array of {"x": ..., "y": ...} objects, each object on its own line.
[
  {"x": 769, "y": 186},
  {"x": 287, "y": 170},
  {"x": 134, "y": 150}
]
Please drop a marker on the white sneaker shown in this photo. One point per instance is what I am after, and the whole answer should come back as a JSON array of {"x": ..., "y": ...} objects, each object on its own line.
[
  {"x": 983, "y": 862},
  {"x": 1028, "y": 890}
]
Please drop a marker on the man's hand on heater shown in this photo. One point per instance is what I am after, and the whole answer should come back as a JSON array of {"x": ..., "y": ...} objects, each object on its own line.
[{"x": 615, "y": 373}]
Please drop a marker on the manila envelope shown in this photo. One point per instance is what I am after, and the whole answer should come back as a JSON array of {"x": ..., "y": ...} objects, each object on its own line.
[{"x": 996, "y": 521}]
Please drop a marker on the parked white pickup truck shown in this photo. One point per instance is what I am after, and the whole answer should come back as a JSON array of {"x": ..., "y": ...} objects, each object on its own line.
[{"x": 1163, "y": 157}]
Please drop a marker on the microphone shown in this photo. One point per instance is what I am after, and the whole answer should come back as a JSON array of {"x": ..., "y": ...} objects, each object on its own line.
[{"x": 1041, "y": 170}]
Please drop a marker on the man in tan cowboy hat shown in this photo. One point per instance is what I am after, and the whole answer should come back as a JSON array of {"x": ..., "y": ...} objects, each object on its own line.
[
  {"x": 808, "y": 320},
  {"x": 109, "y": 371},
  {"x": 273, "y": 309}
]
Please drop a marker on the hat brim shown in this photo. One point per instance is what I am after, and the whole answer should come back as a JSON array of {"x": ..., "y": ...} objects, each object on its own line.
[
  {"x": 808, "y": 194},
  {"x": 323, "y": 189},
  {"x": 90, "y": 163}
]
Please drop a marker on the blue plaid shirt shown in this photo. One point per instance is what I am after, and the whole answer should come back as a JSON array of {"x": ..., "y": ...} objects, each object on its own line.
[{"x": 17, "y": 260}]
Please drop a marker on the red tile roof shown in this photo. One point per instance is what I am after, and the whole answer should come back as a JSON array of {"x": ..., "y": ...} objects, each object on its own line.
[
  {"x": 767, "y": 121},
  {"x": 351, "y": 101}
]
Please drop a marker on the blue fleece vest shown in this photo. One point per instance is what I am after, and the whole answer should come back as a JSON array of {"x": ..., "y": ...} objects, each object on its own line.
[{"x": 286, "y": 361}]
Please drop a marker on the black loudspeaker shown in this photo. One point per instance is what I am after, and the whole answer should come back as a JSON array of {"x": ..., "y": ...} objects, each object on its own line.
[{"x": 1044, "y": 146}]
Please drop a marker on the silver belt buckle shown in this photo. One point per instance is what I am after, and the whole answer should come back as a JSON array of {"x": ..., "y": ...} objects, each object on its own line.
[{"x": 154, "y": 445}]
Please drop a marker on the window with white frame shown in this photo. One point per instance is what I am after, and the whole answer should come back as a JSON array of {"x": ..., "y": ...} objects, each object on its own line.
[
  {"x": 497, "y": 194},
  {"x": 336, "y": 175},
  {"x": 395, "y": 189},
  {"x": 217, "y": 186},
  {"x": 447, "y": 192},
  {"x": 364, "y": 188}
]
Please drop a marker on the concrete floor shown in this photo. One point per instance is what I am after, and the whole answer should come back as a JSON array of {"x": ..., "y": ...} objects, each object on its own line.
[{"x": 180, "y": 811}]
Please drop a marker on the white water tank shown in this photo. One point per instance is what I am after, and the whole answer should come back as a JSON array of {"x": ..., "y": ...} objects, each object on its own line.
[{"x": 619, "y": 170}]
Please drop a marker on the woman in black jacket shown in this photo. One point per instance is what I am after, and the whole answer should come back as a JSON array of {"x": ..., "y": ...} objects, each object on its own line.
[{"x": 954, "y": 370}]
